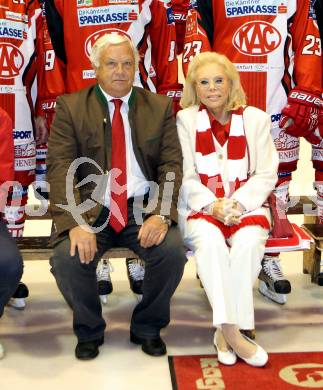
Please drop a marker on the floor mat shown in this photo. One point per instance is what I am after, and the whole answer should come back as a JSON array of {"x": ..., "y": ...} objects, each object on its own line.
[{"x": 284, "y": 371}]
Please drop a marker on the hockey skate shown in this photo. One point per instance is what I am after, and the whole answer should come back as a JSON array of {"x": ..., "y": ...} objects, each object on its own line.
[
  {"x": 17, "y": 301},
  {"x": 273, "y": 284},
  {"x": 136, "y": 273},
  {"x": 105, "y": 286}
]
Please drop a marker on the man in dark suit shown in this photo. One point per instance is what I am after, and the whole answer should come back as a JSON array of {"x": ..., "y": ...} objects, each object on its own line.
[{"x": 122, "y": 139}]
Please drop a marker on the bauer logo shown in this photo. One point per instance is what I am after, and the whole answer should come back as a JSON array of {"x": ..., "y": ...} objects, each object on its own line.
[
  {"x": 180, "y": 17},
  {"x": 11, "y": 61},
  {"x": 302, "y": 96},
  {"x": 90, "y": 41},
  {"x": 107, "y": 15},
  {"x": 49, "y": 105},
  {"x": 256, "y": 38}
]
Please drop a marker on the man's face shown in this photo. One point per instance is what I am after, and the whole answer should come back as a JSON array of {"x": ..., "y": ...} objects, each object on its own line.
[{"x": 117, "y": 69}]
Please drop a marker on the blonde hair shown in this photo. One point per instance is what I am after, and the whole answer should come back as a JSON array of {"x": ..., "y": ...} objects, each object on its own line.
[
  {"x": 237, "y": 97},
  {"x": 111, "y": 39}
]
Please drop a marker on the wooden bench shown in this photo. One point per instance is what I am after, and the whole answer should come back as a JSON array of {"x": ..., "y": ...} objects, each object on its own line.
[
  {"x": 38, "y": 248},
  {"x": 312, "y": 258}
]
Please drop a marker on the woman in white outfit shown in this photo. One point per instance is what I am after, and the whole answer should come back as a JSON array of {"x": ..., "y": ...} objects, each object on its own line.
[{"x": 230, "y": 168}]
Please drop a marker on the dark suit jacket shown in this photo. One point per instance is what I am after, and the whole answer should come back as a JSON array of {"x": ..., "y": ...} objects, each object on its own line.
[{"x": 82, "y": 128}]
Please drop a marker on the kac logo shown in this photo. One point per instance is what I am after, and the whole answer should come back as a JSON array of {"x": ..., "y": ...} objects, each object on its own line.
[
  {"x": 11, "y": 61},
  {"x": 256, "y": 38},
  {"x": 98, "y": 34},
  {"x": 306, "y": 375}
]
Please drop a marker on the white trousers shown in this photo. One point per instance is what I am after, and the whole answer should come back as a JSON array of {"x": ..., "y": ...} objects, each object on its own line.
[{"x": 228, "y": 274}]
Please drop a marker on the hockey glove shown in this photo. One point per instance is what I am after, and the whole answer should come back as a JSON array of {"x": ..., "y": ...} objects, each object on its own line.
[
  {"x": 300, "y": 115},
  {"x": 320, "y": 124}
]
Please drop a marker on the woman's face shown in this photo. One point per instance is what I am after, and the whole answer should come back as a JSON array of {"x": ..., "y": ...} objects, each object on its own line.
[{"x": 212, "y": 87}]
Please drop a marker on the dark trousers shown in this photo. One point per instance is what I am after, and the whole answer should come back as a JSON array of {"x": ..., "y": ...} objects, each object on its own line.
[
  {"x": 164, "y": 265},
  {"x": 11, "y": 266}
]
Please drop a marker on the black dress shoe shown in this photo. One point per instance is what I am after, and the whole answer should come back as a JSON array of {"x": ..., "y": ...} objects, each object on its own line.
[
  {"x": 151, "y": 346},
  {"x": 86, "y": 350}
]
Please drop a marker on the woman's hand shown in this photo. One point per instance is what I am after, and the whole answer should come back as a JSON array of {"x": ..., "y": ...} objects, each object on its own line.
[{"x": 227, "y": 211}]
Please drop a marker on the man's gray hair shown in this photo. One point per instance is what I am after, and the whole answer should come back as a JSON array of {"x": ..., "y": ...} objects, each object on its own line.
[{"x": 111, "y": 39}]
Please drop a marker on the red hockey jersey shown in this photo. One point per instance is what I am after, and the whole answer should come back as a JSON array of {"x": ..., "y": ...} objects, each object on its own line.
[
  {"x": 6, "y": 156},
  {"x": 318, "y": 6},
  {"x": 6, "y": 148},
  {"x": 50, "y": 76},
  {"x": 180, "y": 10},
  {"x": 275, "y": 45},
  {"x": 75, "y": 25},
  {"x": 17, "y": 51}
]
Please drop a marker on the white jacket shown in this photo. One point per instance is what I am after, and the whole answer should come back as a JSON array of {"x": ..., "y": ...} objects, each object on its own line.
[{"x": 263, "y": 163}]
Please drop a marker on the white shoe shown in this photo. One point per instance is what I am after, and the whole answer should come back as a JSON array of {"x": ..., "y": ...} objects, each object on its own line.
[
  {"x": 228, "y": 357},
  {"x": 17, "y": 303},
  {"x": 259, "y": 359},
  {"x": 273, "y": 296},
  {"x": 1, "y": 351}
]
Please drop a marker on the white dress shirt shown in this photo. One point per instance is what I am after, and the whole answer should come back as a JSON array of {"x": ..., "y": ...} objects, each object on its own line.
[{"x": 137, "y": 184}]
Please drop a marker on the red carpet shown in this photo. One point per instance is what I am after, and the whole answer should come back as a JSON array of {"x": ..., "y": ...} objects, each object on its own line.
[{"x": 284, "y": 371}]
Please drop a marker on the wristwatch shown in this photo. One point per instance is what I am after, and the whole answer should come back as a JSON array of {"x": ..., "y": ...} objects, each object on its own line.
[{"x": 166, "y": 220}]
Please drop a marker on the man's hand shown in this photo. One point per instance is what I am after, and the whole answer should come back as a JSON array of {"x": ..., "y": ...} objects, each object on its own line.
[
  {"x": 152, "y": 232},
  {"x": 84, "y": 241},
  {"x": 300, "y": 115},
  {"x": 41, "y": 130}
]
